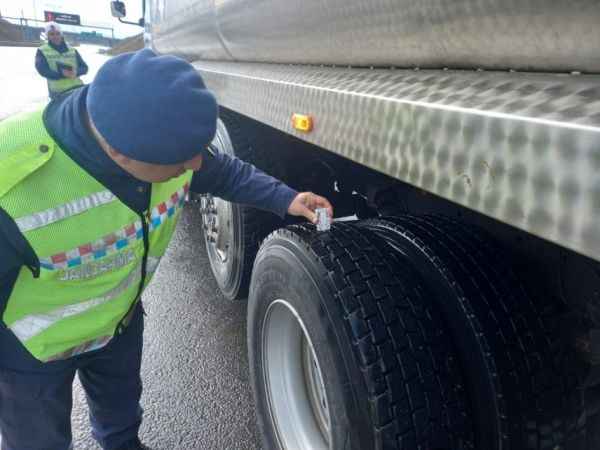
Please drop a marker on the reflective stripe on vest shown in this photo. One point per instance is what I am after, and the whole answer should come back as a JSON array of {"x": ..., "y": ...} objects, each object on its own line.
[
  {"x": 77, "y": 206},
  {"x": 96, "y": 255},
  {"x": 53, "y": 57},
  {"x": 88, "y": 346},
  {"x": 32, "y": 325}
]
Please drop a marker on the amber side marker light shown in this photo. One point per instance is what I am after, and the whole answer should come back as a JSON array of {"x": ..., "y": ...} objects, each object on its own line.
[{"x": 302, "y": 122}]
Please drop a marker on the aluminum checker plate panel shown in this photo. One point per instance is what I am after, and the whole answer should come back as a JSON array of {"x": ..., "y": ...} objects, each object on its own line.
[{"x": 522, "y": 148}]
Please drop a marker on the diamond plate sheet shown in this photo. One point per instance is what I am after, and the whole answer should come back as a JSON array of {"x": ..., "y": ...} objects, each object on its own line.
[
  {"x": 534, "y": 35},
  {"x": 522, "y": 148}
]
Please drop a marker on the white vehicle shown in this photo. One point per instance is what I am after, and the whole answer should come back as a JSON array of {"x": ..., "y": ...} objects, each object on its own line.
[{"x": 460, "y": 308}]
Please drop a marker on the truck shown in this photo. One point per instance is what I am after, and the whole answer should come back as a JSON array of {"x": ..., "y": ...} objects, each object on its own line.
[{"x": 455, "y": 301}]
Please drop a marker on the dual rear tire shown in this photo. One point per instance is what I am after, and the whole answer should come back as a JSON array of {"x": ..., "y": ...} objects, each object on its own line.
[
  {"x": 407, "y": 333},
  {"x": 388, "y": 376}
]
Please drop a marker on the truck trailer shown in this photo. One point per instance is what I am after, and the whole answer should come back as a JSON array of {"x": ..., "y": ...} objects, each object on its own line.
[{"x": 455, "y": 302}]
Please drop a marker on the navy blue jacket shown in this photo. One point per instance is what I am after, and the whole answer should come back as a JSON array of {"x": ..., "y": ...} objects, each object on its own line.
[
  {"x": 44, "y": 69},
  {"x": 66, "y": 121}
]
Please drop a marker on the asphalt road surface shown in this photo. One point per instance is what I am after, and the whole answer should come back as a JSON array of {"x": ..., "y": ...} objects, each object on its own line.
[{"x": 195, "y": 366}]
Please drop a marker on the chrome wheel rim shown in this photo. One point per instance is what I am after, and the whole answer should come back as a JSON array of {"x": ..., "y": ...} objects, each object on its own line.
[
  {"x": 217, "y": 219},
  {"x": 294, "y": 381}
]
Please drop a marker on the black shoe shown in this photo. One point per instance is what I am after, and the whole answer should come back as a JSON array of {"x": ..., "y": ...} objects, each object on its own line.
[{"x": 134, "y": 444}]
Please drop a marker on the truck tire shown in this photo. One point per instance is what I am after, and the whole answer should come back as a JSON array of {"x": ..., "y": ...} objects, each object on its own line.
[
  {"x": 232, "y": 232},
  {"x": 522, "y": 397},
  {"x": 345, "y": 351}
]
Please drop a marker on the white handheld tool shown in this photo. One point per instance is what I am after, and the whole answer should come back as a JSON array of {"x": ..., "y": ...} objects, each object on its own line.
[{"x": 323, "y": 220}]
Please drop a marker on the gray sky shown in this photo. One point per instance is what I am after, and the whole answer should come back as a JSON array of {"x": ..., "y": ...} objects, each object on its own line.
[{"x": 92, "y": 12}]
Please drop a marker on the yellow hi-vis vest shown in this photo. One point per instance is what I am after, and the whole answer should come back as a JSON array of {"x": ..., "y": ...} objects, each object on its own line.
[
  {"x": 53, "y": 57},
  {"x": 96, "y": 255}
]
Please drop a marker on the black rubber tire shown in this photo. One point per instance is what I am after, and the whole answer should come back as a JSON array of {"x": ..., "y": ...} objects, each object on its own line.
[
  {"x": 250, "y": 226},
  {"x": 390, "y": 373},
  {"x": 522, "y": 396}
]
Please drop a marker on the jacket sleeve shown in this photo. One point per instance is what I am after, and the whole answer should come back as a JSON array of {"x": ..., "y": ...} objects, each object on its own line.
[
  {"x": 11, "y": 258},
  {"x": 15, "y": 251},
  {"x": 44, "y": 69},
  {"x": 82, "y": 67},
  {"x": 237, "y": 181}
]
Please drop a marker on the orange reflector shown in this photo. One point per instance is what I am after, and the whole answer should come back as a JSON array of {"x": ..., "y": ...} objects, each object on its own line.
[{"x": 302, "y": 122}]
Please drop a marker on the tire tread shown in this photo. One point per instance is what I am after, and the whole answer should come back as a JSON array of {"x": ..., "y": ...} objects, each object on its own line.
[{"x": 516, "y": 345}]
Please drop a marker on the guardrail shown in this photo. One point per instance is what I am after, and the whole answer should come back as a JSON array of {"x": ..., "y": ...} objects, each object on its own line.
[
  {"x": 20, "y": 44},
  {"x": 31, "y": 28}
]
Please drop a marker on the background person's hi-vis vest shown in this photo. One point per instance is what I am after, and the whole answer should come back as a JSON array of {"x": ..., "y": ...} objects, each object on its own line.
[
  {"x": 96, "y": 255},
  {"x": 69, "y": 58}
]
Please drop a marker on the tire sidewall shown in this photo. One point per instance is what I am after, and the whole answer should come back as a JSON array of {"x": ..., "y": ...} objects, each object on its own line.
[{"x": 284, "y": 272}]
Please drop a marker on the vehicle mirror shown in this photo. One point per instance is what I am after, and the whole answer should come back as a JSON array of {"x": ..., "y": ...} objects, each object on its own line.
[{"x": 117, "y": 9}]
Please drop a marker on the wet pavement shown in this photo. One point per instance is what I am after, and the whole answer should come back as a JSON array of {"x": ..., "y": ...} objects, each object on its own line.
[{"x": 195, "y": 369}]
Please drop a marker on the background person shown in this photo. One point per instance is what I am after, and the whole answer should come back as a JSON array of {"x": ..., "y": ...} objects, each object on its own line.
[{"x": 58, "y": 62}]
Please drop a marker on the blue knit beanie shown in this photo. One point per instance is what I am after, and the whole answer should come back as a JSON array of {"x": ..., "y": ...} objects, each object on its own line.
[{"x": 152, "y": 108}]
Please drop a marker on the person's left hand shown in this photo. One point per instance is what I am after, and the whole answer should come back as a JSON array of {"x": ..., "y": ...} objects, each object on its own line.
[{"x": 305, "y": 203}]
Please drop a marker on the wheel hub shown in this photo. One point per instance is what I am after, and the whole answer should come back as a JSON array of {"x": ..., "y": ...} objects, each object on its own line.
[{"x": 216, "y": 219}]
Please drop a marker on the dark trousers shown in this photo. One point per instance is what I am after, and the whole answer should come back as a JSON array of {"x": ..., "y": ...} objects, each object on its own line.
[{"x": 36, "y": 399}]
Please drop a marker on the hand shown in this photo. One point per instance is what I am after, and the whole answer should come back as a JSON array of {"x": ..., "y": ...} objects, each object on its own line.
[
  {"x": 69, "y": 73},
  {"x": 305, "y": 203}
]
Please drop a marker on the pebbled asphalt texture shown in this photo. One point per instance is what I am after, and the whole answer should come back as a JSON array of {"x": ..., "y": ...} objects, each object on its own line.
[{"x": 195, "y": 369}]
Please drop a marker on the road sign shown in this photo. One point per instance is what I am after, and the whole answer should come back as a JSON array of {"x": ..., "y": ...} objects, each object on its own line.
[{"x": 64, "y": 18}]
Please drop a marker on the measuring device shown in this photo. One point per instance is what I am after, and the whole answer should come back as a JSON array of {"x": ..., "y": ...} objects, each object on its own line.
[{"x": 323, "y": 220}]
